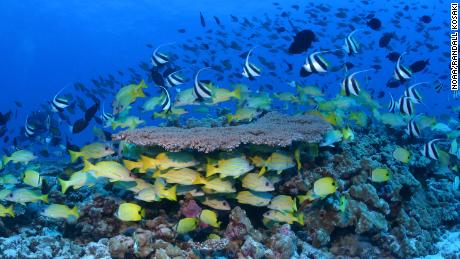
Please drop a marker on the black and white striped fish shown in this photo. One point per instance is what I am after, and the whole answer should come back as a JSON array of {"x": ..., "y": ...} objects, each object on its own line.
[
  {"x": 166, "y": 103},
  {"x": 430, "y": 150},
  {"x": 29, "y": 130},
  {"x": 392, "y": 106},
  {"x": 351, "y": 44},
  {"x": 401, "y": 72},
  {"x": 159, "y": 58},
  {"x": 412, "y": 128},
  {"x": 406, "y": 106},
  {"x": 200, "y": 90},
  {"x": 350, "y": 85},
  {"x": 413, "y": 93},
  {"x": 174, "y": 79},
  {"x": 250, "y": 70},
  {"x": 59, "y": 104},
  {"x": 315, "y": 63},
  {"x": 105, "y": 116}
]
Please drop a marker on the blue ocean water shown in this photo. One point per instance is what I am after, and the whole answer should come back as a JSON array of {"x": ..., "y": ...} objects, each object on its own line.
[{"x": 51, "y": 47}]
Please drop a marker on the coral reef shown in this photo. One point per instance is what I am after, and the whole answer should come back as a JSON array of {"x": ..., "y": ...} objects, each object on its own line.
[
  {"x": 273, "y": 129},
  {"x": 47, "y": 243}
]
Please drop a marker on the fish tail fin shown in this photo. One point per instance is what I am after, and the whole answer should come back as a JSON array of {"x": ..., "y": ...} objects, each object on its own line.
[
  {"x": 170, "y": 193},
  {"x": 44, "y": 198},
  {"x": 300, "y": 219},
  {"x": 5, "y": 160},
  {"x": 237, "y": 93},
  {"x": 210, "y": 170},
  {"x": 262, "y": 171},
  {"x": 74, "y": 212},
  {"x": 87, "y": 166},
  {"x": 142, "y": 213},
  {"x": 74, "y": 155},
  {"x": 64, "y": 185},
  {"x": 10, "y": 211},
  {"x": 229, "y": 118},
  {"x": 156, "y": 174},
  {"x": 148, "y": 163},
  {"x": 130, "y": 165},
  {"x": 199, "y": 180}
]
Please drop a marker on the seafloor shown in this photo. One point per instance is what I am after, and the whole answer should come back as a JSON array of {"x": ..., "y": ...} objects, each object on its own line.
[{"x": 413, "y": 215}]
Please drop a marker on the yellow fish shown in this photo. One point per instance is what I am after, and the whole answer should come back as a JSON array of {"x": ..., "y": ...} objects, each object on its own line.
[
  {"x": 153, "y": 102},
  {"x": 283, "y": 203},
  {"x": 215, "y": 203},
  {"x": 324, "y": 186},
  {"x": 284, "y": 217},
  {"x": 4, "y": 193},
  {"x": 137, "y": 186},
  {"x": 258, "y": 199},
  {"x": 130, "y": 212},
  {"x": 24, "y": 195},
  {"x": 209, "y": 217},
  {"x": 217, "y": 184},
  {"x": 95, "y": 151},
  {"x": 77, "y": 180},
  {"x": 309, "y": 196},
  {"x": 174, "y": 112},
  {"x": 8, "y": 179},
  {"x": 360, "y": 118},
  {"x": 6, "y": 211},
  {"x": 234, "y": 165},
  {"x": 257, "y": 183},
  {"x": 309, "y": 90},
  {"x": 262, "y": 101},
  {"x": 401, "y": 154},
  {"x": 20, "y": 156},
  {"x": 130, "y": 122},
  {"x": 287, "y": 97},
  {"x": 183, "y": 176},
  {"x": 163, "y": 161},
  {"x": 348, "y": 134},
  {"x": 243, "y": 114},
  {"x": 32, "y": 178},
  {"x": 60, "y": 211},
  {"x": 186, "y": 225},
  {"x": 128, "y": 95},
  {"x": 109, "y": 169},
  {"x": 343, "y": 204},
  {"x": 380, "y": 175},
  {"x": 277, "y": 161},
  {"x": 220, "y": 95}
]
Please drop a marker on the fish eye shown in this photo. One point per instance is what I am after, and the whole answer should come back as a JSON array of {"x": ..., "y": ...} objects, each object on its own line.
[
  {"x": 224, "y": 203},
  {"x": 333, "y": 183},
  {"x": 267, "y": 184}
]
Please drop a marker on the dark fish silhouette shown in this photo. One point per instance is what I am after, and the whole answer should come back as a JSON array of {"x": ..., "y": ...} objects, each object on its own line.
[
  {"x": 89, "y": 114},
  {"x": 425, "y": 19},
  {"x": 418, "y": 66},
  {"x": 393, "y": 56},
  {"x": 302, "y": 42},
  {"x": 374, "y": 24},
  {"x": 203, "y": 23},
  {"x": 385, "y": 39},
  {"x": 217, "y": 20},
  {"x": 79, "y": 126}
]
